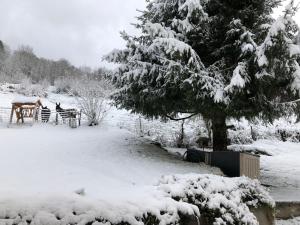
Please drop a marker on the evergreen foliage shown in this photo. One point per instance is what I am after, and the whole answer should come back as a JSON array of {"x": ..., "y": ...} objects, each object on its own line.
[{"x": 219, "y": 58}]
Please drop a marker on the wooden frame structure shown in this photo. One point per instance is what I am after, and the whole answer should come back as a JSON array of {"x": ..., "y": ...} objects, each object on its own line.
[{"x": 25, "y": 108}]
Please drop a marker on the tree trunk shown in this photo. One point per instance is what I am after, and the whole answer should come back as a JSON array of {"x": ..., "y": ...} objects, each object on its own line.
[{"x": 219, "y": 132}]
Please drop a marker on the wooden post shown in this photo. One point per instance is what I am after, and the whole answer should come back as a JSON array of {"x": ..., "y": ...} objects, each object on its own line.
[
  {"x": 79, "y": 118},
  {"x": 56, "y": 119},
  {"x": 140, "y": 127},
  {"x": 36, "y": 114},
  {"x": 11, "y": 114},
  {"x": 22, "y": 115}
]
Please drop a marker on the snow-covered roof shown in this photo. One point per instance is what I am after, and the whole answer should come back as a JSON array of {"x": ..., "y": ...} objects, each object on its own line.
[{"x": 24, "y": 99}]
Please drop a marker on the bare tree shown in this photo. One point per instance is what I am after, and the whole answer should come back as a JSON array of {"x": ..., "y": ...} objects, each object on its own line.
[{"x": 92, "y": 96}]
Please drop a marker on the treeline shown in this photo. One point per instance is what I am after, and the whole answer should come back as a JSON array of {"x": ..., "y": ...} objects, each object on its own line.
[{"x": 22, "y": 64}]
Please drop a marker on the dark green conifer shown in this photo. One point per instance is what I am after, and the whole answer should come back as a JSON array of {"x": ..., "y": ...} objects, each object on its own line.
[{"x": 218, "y": 58}]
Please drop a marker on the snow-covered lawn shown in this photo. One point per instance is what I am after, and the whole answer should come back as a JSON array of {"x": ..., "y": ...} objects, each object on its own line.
[
  {"x": 48, "y": 158},
  {"x": 282, "y": 170},
  {"x": 104, "y": 161},
  {"x": 295, "y": 221},
  {"x": 107, "y": 164}
]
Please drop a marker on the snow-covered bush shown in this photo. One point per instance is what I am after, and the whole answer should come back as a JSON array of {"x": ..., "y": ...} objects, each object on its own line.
[
  {"x": 166, "y": 133},
  {"x": 221, "y": 200},
  {"x": 92, "y": 98},
  {"x": 242, "y": 132},
  {"x": 80, "y": 211},
  {"x": 283, "y": 129},
  {"x": 179, "y": 137},
  {"x": 63, "y": 85},
  {"x": 28, "y": 89},
  {"x": 240, "y": 137},
  {"x": 286, "y": 130}
]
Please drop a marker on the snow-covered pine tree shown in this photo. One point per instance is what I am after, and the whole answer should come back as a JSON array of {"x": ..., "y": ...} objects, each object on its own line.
[{"x": 219, "y": 58}]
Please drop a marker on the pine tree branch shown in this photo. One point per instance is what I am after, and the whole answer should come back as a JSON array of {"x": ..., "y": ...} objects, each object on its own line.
[
  {"x": 179, "y": 119},
  {"x": 290, "y": 102}
]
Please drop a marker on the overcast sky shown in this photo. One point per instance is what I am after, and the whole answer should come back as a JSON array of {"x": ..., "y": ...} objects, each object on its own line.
[{"x": 78, "y": 30}]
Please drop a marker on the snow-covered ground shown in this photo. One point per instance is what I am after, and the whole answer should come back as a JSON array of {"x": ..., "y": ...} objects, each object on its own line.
[
  {"x": 281, "y": 169},
  {"x": 56, "y": 159},
  {"x": 106, "y": 161},
  {"x": 295, "y": 221},
  {"x": 44, "y": 158}
]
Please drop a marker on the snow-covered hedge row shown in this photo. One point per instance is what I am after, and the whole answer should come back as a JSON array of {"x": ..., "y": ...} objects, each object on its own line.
[
  {"x": 81, "y": 210},
  {"x": 222, "y": 200},
  {"x": 281, "y": 129},
  {"x": 25, "y": 87},
  {"x": 165, "y": 133},
  {"x": 243, "y": 132}
]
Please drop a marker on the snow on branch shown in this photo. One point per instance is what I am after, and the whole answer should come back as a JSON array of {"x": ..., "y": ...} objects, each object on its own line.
[
  {"x": 248, "y": 44},
  {"x": 117, "y": 56},
  {"x": 157, "y": 30},
  {"x": 296, "y": 82},
  {"x": 284, "y": 25},
  {"x": 239, "y": 78},
  {"x": 188, "y": 9},
  {"x": 173, "y": 46}
]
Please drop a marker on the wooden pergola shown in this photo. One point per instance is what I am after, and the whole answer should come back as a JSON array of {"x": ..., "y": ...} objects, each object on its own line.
[{"x": 25, "y": 107}]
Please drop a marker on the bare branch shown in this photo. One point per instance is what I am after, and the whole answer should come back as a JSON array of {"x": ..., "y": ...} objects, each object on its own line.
[{"x": 179, "y": 119}]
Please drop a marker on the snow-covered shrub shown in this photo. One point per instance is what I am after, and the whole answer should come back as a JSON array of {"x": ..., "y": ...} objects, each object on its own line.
[
  {"x": 92, "y": 98},
  {"x": 10, "y": 75},
  {"x": 242, "y": 132},
  {"x": 28, "y": 89},
  {"x": 81, "y": 211},
  {"x": 166, "y": 133},
  {"x": 221, "y": 200},
  {"x": 283, "y": 129},
  {"x": 292, "y": 135},
  {"x": 63, "y": 85},
  {"x": 179, "y": 137},
  {"x": 240, "y": 137}
]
